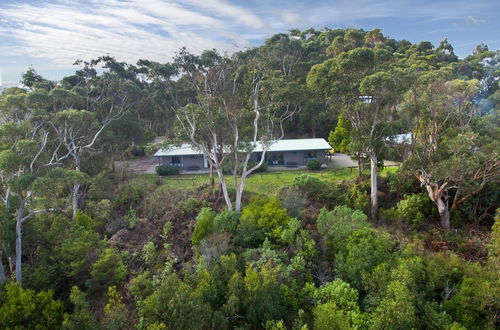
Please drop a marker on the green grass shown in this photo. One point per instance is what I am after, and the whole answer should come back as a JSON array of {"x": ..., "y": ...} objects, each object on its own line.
[{"x": 267, "y": 183}]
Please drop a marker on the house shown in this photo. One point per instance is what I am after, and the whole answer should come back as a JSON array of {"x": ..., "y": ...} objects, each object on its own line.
[{"x": 289, "y": 153}]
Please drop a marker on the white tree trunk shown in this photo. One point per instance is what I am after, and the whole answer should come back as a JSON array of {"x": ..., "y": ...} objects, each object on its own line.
[
  {"x": 444, "y": 213},
  {"x": 224, "y": 188},
  {"x": 75, "y": 198},
  {"x": 19, "y": 240},
  {"x": 3, "y": 278},
  {"x": 374, "y": 186}
]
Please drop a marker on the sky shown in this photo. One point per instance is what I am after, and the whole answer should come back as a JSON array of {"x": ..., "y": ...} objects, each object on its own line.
[{"x": 51, "y": 34}]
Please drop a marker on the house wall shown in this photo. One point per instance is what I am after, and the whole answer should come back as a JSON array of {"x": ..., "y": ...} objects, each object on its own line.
[
  {"x": 196, "y": 160},
  {"x": 296, "y": 157},
  {"x": 165, "y": 160}
]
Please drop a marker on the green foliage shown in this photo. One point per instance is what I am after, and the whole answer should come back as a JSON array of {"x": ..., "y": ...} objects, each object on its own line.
[
  {"x": 84, "y": 220},
  {"x": 108, "y": 270},
  {"x": 204, "y": 225},
  {"x": 174, "y": 303},
  {"x": 363, "y": 250},
  {"x": 166, "y": 170},
  {"x": 312, "y": 186},
  {"x": 261, "y": 296},
  {"x": 413, "y": 209},
  {"x": 76, "y": 254},
  {"x": 313, "y": 164},
  {"x": 340, "y": 292},
  {"x": 293, "y": 200},
  {"x": 25, "y": 309},
  {"x": 81, "y": 318},
  {"x": 100, "y": 187},
  {"x": 267, "y": 215},
  {"x": 337, "y": 225},
  {"x": 340, "y": 138},
  {"x": 227, "y": 221},
  {"x": 149, "y": 253},
  {"x": 189, "y": 205},
  {"x": 357, "y": 198},
  {"x": 467, "y": 306},
  {"x": 115, "y": 311},
  {"x": 129, "y": 196},
  {"x": 328, "y": 316}
]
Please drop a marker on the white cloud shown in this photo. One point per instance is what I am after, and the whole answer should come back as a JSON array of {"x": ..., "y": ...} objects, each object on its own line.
[
  {"x": 64, "y": 30},
  {"x": 474, "y": 20}
]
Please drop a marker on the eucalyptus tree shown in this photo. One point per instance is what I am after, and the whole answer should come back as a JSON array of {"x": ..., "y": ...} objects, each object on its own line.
[
  {"x": 240, "y": 107},
  {"x": 455, "y": 152},
  {"x": 22, "y": 159},
  {"x": 105, "y": 99},
  {"x": 361, "y": 83}
]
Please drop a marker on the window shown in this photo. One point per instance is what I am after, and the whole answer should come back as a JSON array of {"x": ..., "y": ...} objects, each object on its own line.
[{"x": 176, "y": 161}]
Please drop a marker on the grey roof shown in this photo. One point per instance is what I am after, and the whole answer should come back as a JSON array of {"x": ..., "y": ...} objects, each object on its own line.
[{"x": 187, "y": 149}]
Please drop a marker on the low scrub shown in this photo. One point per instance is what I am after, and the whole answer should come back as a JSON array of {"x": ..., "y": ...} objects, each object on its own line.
[{"x": 167, "y": 170}]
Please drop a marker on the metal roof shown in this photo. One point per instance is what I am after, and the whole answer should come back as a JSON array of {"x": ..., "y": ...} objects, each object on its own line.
[{"x": 187, "y": 149}]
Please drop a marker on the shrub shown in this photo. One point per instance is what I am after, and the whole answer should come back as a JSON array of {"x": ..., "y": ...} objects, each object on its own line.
[
  {"x": 363, "y": 250},
  {"x": 166, "y": 170},
  {"x": 413, "y": 208},
  {"x": 101, "y": 187},
  {"x": 189, "y": 205},
  {"x": 227, "y": 221},
  {"x": 357, "y": 198},
  {"x": 336, "y": 226},
  {"x": 128, "y": 197},
  {"x": 25, "y": 309},
  {"x": 108, "y": 270},
  {"x": 293, "y": 200},
  {"x": 314, "y": 164},
  {"x": 266, "y": 214},
  {"x": 340, "y": 292},
  {"x": 310, "y": 184},
  {"x": 204, "y": 225}
]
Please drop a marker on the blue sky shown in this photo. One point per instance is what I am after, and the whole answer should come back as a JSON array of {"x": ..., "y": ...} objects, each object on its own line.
[{"x": 52, "y": 34}]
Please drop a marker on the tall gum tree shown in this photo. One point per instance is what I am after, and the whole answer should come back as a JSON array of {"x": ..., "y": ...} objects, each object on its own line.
[
  {"x": 360, "y": 84},
  {"x": 455, "y": 152},
  {"x": 23, "y": 158},
  {"x": 234, "y": 115}
]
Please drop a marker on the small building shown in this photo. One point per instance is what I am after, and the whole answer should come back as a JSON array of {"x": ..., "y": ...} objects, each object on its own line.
[{"x": 286, "y": 152}]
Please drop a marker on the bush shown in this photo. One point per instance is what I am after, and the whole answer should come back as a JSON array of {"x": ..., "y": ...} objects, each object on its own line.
[
  {"x": 267, "y": 215},
  {"x": 293, "y": 200},
  {"x": 310, "y": 184},
  {"x": 363, "y": 250},
  {"x": 166, "y": 170},
  {"x": 413, "y": 208},
  {"x": 189, "y": 205},
  {"x": 227, "y": 221},
  {"x": 336, "y": 226},
  {"x": 314, "y": 164},
  {"x": 129, "y": 197},
  {"x": 108, "y": 270},
  {"x": 25, "y": 309},
  {"x": 204, "y": 225}
]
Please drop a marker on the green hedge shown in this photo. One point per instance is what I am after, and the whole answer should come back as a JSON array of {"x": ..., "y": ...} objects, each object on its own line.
[
  {"x": 313, "y": 164},
  {"x": 167, "y": 170}
]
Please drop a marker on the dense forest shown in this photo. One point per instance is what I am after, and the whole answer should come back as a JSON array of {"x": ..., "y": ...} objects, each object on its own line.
[{"x": 84, "y": 245}]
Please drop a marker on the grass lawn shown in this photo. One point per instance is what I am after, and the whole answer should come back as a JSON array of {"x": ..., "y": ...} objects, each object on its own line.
[{"x": 267, "y": 183}]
